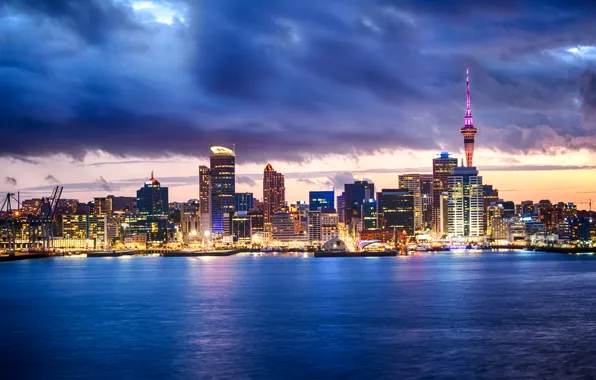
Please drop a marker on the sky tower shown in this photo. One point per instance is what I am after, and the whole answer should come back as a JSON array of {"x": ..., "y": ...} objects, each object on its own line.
[{"x": 468, "y": 130}]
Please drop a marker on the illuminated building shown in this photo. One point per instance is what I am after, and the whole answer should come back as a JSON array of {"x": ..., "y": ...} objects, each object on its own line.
[
  {"x": 516, "y": 230},
  {"x": 67, "y": 206},
  {"x": 152, "y": 199},
  {"x": 499, "y": 228},
  {"x": 321, "y": 200},
  {"x": 329, "y": 226},
  {"x": 314, "y": 227},
  {"x": 282, "y": 227},
  {"x": 442, "y": 166},
  {"x": 468, "y": 130},
  {"x": 102, "y": 206},
  {"x": 241, "y": 228},
  {"x": 204, "y": 199},
  {"x": 396, "y": 210},
  {"x": 341, "y": 208},
  {"x": 243, "y": 201},
  {"x": 491, "y": 213},
  {"x": 466, "y": 205},
  {"x": 223, "y": 188},
  {"x": 31, "y": 206},
  {"x": 190, "y": 227},
  {"x": 527, "y": 208},
  {"x": 579, "y": 229},
  {"x": 99, "y": 230},
  {"x": 355, "y": 194},
  {"x": 443, "y": 224},
  {"x": 368, "y": 214},
  {"x": 256, "y": 220},
  {"x": 426, "y": 193},
  {"x": 412, "y": 182},
  {"x": 490, "y": 199},
  {"x": 274, "y": 193}
]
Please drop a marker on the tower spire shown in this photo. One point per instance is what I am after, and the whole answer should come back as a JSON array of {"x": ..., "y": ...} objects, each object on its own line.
[
  {"x": 151, "y": 174},
  {"x": 468, "y": 130}
]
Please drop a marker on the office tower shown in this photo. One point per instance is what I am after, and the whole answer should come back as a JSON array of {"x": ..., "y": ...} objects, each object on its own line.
[
  {"x": 413, "y": 182},
  {"x": 442, "y": 166},
  {"x": 102, "y": 206},
  {"x": 527, "y": 208},
  {"x": 426, "y": 193},
  {"x": 468, "y": 130},
  {"x": 341, "y": 208},
  {"x": 223, "y": 188},
  {"x": 443, "y": 224},
  {"x": 314, "y": 227},
  {"x": 243, "y": 201},
  {"x": 396, "y": 210},
  {"x": 282, "y": 226},
  {"x": 205, "y": 199},
  {"x": 355, "y": 194},
  {"x": 152, "y": 199},
  {"x": 321, "y": 200},
  {"x": 241, "y": 227},
  {"x": 490, "y": 199},
  {"x": 369, "y": 215},
  {"x": 500, "y": 228},
  {"x": 465, "y": 210},
  {"x": 274, "y": 193},
  {"x": 490, "y": 214}
]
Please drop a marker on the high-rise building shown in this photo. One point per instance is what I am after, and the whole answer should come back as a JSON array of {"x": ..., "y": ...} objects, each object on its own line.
[
  {"x": 442, "y": 166},
  {"x": 413, "y": 182},
  {"x": 321, "y": 200},
  {"x": 329, "y": 226},
  {"x": 426, "y": 193},
  {"x": 396, "y": 210},
  {"x": 282, "y": 226},
  {"x": 241, "y": 228},
  {"x": 102, "y": 206},
  {"x": 274, "y": 193},
  {"x": 223, "y": 188},
  {"x": 466, "y": 206},
  {"x": 152, "y": 199},
  {"x": 205, "y": 199},
  {"x": 370, "y": 221},
  {"x": 468, "y": 130},
  {"x": 314, "y": 227},
  {"x": 243, "y": 201},
  {"x": 341, "y": 208},
  {"x": 492, "y": 213},
  {"x": 355, "y": 194}
]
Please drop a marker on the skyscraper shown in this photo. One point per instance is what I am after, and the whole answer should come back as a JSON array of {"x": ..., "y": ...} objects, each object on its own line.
[
  {"x": 152, "y": 199},
  {"x": 274, "y": 193},
  {"x": 321, "y": 200},
  {"x": 243, "y": 201},
  {"x": 341, "y": 208},
  {"x": 442, "y": 166},
  {"x": 396, "y": 210},
  {"x": 466, "y": 205},
  {"x": 223, "y": 188},
  {"x": 468, "y": 130},
  {"x": 355, "y": 195},
  {"x": 426, "y": 193},
  {"x": 413, "y": 182},
  {"x": 205, "y": 199}
]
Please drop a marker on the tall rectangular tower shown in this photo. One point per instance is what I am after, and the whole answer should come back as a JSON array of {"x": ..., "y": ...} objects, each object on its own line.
[
  {"x": 442, "y": 166},
  {"x": 466, "y": 206},
  {"x": 205, "y": 199},
  {"x": 274, "y": 194},
  {"x": 413, "y": 182},
  {"x": 223, "y": 189}
]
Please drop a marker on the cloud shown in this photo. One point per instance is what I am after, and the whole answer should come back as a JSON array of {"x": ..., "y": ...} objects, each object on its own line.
[
  {"x": 307, "y": 181},
  {"x": 105, "y": 184},
  {"x": 51, "y": 179},
  {"x": 10, "y": 181},
  {"x": 304, "y": 79},
  {"x": 245, "y": 180}
]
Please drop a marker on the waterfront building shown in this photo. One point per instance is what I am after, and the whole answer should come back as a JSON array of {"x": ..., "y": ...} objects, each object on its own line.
[
  {"x": 396, "y": 210},
  {"x": 516, "y": 230},
  {"x": 465, "y": 209},
  {"x": 152, "y": 199},
  {"x": 274, "y": 193},
  {"x": 329, "y": 226},
  {"x": 413, "y": 183},
  {"x": 579, "y": 229},
  {"x": 314, "y": 227},
  {"x": 243, "y": 201},
  {"x": 204, "y": 199},
  {"x": 443, "y": 222},
  {"x": 468, "y": 131},
  {"x": 321, "y": 200},
  {"x": 355, "y": 194},
  {"x": 223, "y": 188},
  {"x": 499, "y": 230},
  {"x": 282, "y": 227},
  {"x": 443, "y": 164},
  {"x": 492, "y": 212},
  {"x": 241, "y": 228},
  {"x": 257, "y": 222},
  {"x": 97, "y": 230}
]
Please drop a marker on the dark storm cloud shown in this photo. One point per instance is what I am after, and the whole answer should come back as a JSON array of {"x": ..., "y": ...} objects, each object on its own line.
[
  {"x": 51, "y": 179},
  {"x": 106, "y": 185},
  {"x": 293, "y": 80}
]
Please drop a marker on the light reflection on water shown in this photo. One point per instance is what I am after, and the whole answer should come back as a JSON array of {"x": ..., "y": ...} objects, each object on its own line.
[{"x": 284, "y": 315}]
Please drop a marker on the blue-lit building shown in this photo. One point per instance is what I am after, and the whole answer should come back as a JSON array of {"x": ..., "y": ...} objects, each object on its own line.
[
  {"x": 152, "y": 199},
  {"x": 223, "y": 189},
  {"x": 243, "y": 201},
  {"x": 369, "y": 215},
  {"x": 321, "y": 200},
  {"x": 355, "y": 194}
]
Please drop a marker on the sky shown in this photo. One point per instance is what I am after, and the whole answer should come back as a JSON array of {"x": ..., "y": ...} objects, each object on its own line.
[{"x": 95, "y": 95}]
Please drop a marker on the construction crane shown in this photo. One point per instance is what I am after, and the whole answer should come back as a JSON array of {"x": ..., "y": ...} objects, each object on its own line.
[
  {"x": 588, "y": 202},
  {"x": 41, "y": 232},
  {"x": 9, "y": 222}
]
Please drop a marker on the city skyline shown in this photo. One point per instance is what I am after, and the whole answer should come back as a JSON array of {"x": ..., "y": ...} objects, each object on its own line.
[{"x": 380, "y": 118}]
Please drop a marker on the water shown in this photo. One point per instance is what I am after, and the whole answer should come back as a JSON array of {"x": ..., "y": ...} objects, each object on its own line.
[{"x": 451, "y": 316}]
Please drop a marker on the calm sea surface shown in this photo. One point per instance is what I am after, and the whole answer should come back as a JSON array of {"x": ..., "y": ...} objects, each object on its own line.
[{"x": 448, "y": 316}]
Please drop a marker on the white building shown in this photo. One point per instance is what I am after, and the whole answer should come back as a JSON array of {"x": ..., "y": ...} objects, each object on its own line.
[
  {"x": 329, "y": 226},
  {"x": 465, "y": 211}
]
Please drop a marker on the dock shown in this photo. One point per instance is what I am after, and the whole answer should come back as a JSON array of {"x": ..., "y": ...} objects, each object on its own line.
[{"x": 355, "y": 254}]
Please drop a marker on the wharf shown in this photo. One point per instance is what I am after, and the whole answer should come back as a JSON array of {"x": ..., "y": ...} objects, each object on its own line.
[
  {"x": 355, "y": 254},
  {"x": 221, "y": 253},
  {"x": 25, "y": 256}
]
